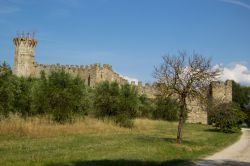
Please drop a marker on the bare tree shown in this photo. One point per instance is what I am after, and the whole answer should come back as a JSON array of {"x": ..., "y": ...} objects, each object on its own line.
[{"x": 184, "y": 78}]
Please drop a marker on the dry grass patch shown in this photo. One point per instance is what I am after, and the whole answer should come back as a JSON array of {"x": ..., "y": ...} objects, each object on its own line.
[{"x": 40, "y": 127}]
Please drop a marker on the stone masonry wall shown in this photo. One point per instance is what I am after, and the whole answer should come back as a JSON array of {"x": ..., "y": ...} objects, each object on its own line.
[{"x": 25, "y": 65}]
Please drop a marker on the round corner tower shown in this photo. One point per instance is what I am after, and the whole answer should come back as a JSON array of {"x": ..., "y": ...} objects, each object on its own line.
[{"x": 24, "y": 58}]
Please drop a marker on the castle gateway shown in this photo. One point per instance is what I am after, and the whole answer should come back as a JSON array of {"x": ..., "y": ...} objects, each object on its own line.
[{"x": 25, "y": 65}]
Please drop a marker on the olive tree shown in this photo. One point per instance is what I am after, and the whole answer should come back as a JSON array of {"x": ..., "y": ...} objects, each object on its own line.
[{"x": 184, "y": 77}]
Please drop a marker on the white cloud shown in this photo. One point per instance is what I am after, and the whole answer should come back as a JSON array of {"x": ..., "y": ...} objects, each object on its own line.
[
  {"x": 130, "y": 79},
  {"x": 237, "y": 72},
  {"x": 238, "y": 3}
]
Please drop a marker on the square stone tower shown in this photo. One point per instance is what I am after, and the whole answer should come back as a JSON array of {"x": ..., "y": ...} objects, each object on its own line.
[
  {"x": 221, "y": 91},
  {"x": 24, "y": 58}
]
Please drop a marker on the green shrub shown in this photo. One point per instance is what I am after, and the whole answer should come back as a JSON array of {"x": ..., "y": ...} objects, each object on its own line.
[
  {"x": 23, "y": 97},
  {"x": 39, "y": 94},
  {"x": 61, "y": 95},
  {"x": 106, "y": 99},
  {"x": 227, "y": 117},
  {"x": 14, "y": 92},
  {"x": 119, "y": 103},
  {"x": 247, "y": 111},
  {"x": 7, "y": 89},
  {"x": 146, "y": 107},
  {"x": 166, "y": 109},
  {"x": 128, "y": 101},
  {"x": 66, "y": 96},
  {"x": 123, "y": 120}
]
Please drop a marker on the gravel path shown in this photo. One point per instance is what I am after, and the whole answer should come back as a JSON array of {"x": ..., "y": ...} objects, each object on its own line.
[{"x": 236, "y": 154}]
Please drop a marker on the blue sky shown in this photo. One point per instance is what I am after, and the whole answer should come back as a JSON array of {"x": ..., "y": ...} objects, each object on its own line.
[{"x": 132, "y": 35}]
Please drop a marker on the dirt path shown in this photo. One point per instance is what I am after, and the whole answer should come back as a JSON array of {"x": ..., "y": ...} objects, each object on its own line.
[{"x": 236, "y": 154}]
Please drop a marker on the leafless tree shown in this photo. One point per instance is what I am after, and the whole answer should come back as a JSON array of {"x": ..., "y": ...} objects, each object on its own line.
[{"x": 184, "y": 77}]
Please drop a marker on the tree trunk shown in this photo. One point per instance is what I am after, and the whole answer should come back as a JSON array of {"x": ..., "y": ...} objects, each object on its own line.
[
  {"x": 181, "y": 121},
  {"x": 180, "y": 125}
]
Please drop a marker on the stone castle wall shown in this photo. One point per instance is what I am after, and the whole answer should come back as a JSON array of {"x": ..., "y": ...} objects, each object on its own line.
[
  {"x": 217, "y": 91},
  {"x": 25, "y": 65},
  {"x": 91, "y": 74},
  {"x": 221, "y": 90}
]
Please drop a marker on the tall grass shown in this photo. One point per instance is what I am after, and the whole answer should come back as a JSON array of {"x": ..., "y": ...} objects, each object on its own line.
[{"x": 44, "y": 126}]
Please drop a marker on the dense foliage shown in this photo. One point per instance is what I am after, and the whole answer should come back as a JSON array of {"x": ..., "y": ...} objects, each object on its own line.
[
  {"x": 166, "y": 109},
  {"x": 60, "y": 95},
  {"x": 241, "y": 95},
  {"x": 119, "y": 102},
  {"x": 146, "y": 107},
  {"x": 63, "y": 97},
  {"x": 7, "y": 89},
  {"x": 227, "y": 117}
]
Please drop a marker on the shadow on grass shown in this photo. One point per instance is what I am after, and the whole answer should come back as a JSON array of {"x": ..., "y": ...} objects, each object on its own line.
[
  {"x": 222, "y": 163},
  {"x": 122, "y": 163},
  {"x": 153, "y": 163},
  {"x": 151, "y": 139},
  {"x": 213, "y": 130}
]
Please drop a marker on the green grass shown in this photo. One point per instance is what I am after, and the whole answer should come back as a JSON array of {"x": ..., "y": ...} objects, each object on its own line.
[{"x": 150, "y": 143}]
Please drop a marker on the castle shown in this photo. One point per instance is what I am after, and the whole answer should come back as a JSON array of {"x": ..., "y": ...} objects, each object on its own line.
[{"x": 25, "y": 65}]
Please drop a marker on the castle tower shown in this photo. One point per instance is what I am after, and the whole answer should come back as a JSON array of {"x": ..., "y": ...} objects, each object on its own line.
[
  {"x": 24, "y": 58},
  {"x": 221, "y": 91}
]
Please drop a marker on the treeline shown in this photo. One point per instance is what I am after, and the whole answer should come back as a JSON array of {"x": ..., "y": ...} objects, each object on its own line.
[
  {"x": 241, "y": 96},
  {"x": 65, "y": 97}
]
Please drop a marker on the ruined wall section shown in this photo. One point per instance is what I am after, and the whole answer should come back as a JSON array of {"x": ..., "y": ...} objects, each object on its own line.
[
  {"x": 91, "y": 74},
  {"x": 106, "y": 73},
  {"x": 85, "y": 72},
  {"x": 147, "y": 89},
  {"x": 221, "y": 91},
  {"x": 218, "y": 91},
  {"x": 197, "y": 112}
]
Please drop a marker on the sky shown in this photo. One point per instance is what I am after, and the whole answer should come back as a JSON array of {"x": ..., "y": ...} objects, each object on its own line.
[{"x": 131, "y": 35}]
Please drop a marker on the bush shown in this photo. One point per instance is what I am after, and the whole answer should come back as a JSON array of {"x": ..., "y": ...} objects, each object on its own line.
[
  {"x": 7, "y": 89},
  {"x": 106, "y": 99},
  {"x": 227, "y": 117},
  {"x": 66, "y": 96},
  {"x": 128, "y": 101},
  {"x": 166, "y": 109},
  {"x": 14, "y": 92},
  {"x": 123, "y": 120},
  {"x": 60, "y": 94},
  {"x": 23, "y": 98},
  {"x": 242, "y": 97},
  {"x": 39, "y": 94},
  {"x": 247, "y": 111},
  {"x": 119, "y": 103},
  {"x": 146, "y": 107}
]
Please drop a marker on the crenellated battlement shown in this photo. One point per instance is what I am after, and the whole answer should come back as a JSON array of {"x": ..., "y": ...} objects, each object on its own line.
[
  {"x": 221, "y": 83},
  {"x": 25, "y": 42},
  {"x": 78, "y": 67}
]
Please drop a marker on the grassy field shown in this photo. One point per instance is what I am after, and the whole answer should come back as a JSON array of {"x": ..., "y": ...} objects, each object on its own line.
[{"x": 38, "y": 141}]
